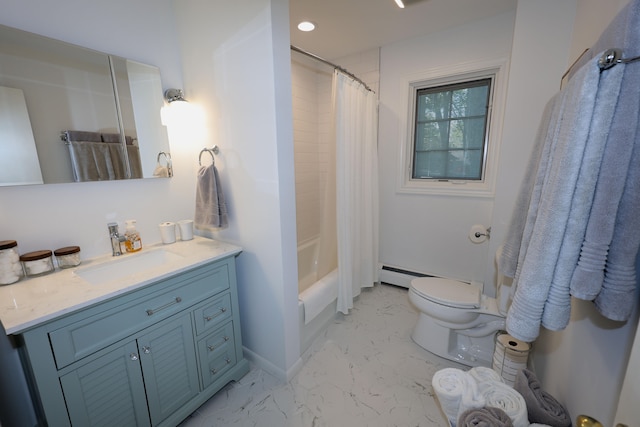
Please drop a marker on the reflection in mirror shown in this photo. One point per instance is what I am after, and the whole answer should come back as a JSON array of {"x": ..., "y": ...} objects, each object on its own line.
[
  {"x": 19, "y": 159},
  {"x": 48, "y": 87}
]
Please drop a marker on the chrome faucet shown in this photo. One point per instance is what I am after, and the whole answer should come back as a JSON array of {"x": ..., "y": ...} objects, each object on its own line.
[{"x": 116, "y": 239}]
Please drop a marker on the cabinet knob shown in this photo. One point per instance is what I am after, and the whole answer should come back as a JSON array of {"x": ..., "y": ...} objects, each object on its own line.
[
  {"x": 214, "y": 371},
  {"x": 223, "y": 309},
  {"x": 133, "y": 356},
  {"x": 226, "y": 338},
  {"x": 211, "y": 347},
  {"x": 146, "y": 350},
  {"x": 228, "y": 360}
]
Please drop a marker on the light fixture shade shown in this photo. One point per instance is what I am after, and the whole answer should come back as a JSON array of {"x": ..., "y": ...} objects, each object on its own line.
[
  {"x": 306, "y": 26},
  {"x": 172, "y": 95}
]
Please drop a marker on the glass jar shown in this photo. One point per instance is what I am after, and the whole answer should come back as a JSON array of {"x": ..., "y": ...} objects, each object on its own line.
[
  {"x": 68, "y": 256},
  {"x": 37, "y": 263},
  {"x": 10, "y": 267}
]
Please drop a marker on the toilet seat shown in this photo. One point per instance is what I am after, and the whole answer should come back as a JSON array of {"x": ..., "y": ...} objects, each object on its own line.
[{"x": 447, "y": 292}]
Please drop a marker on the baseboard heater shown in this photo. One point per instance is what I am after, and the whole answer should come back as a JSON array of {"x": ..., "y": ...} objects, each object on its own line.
[{"x": 398, "y": 276}]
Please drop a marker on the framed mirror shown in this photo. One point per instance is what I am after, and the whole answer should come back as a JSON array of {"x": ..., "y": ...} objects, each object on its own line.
[{"x": 71, "y": 114}]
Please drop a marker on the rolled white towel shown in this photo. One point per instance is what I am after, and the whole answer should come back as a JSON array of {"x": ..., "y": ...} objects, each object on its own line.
[
  {"x": 500, "y": 395},
  {"x": 457, "y": 392},
  {"x": 482, "y": 375}
]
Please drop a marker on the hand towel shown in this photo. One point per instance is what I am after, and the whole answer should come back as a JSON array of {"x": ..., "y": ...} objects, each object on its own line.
[
  {"x": 211, "y": 209},
  {"x": 588, "y": 276},
  {"x": 541, "y": 406},
  {"x": 485, "y": 417},
  {"x": 500, "y": 395},
  {"x": 547, "y": 224},
  {"x": 557, "y": 309},
  {"x": 616, "y": 299}
]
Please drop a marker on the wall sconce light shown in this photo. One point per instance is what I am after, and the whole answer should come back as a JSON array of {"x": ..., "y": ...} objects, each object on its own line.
[{"x": 172, "y": 95}]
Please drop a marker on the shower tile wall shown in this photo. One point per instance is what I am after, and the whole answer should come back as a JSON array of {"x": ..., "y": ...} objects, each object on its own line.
[
  {"x": 312, "y": 126},
  {"x": 311, "y": 129}
]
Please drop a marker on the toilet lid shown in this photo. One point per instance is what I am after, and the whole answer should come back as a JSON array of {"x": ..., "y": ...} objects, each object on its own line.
[{"x": 447, "y": 292}]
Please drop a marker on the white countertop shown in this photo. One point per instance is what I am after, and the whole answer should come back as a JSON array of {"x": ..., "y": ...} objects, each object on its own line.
[{"x": 31, "y": 301}]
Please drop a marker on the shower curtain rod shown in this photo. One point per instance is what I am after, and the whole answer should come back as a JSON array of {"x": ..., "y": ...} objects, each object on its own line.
[{"x": 331, "y": 64}]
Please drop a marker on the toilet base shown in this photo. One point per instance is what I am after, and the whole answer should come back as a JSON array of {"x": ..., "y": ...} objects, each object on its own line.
[{"x": 453, "y": 345}]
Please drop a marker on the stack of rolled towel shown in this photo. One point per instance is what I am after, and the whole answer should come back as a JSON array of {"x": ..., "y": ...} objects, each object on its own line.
[
  {"x": 479, "y": 397},
  {"x": 541, "y": 406}
]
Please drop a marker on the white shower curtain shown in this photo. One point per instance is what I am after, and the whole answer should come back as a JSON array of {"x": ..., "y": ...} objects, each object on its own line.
[{"x": 355, "y": 109}]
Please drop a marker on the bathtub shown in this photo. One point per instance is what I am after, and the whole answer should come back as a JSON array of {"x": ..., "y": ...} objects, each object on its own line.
[{"x": 313, "y": 291}]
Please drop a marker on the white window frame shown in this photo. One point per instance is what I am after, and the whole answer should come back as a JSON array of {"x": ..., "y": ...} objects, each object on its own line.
[{"x": 496, "y": 70}]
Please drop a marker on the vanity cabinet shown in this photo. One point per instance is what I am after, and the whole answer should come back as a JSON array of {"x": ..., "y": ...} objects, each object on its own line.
[{"x": 149, "y": 357}]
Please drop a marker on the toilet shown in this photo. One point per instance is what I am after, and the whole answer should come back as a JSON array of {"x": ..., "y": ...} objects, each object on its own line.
[{"x": 457, "y": 321}]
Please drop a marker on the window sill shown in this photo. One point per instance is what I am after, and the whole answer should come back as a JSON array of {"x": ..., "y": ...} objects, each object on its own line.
[{"x": 448, "y": 188}]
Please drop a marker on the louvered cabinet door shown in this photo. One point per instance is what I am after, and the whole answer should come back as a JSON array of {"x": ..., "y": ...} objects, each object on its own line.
[
  {"x": 169, "y": 366},
  {"x": 107, "y": 391}
]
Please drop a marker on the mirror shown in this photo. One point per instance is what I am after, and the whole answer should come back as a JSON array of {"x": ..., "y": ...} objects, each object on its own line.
[{"x": 70, "y": 114}]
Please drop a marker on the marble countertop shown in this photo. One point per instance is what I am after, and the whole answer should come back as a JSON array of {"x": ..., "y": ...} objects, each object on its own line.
[{"x": 31, "y": 301}]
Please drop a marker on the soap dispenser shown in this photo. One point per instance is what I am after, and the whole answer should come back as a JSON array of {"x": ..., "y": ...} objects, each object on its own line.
[{"x": 132, "y": 242}]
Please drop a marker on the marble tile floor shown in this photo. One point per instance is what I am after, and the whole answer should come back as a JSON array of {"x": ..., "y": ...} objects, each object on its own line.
[{"x": 364, "y": 370}]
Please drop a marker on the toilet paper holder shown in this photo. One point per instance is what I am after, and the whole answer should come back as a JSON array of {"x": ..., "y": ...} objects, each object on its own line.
[{"x": 478, "y": 234}]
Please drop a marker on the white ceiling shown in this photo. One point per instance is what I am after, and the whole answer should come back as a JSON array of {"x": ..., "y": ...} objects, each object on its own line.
[{"x": 344, "y": 27}]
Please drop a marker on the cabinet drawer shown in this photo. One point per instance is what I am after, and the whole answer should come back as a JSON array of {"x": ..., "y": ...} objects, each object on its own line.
[
  {"x": 77, "y": 340},
  {"x": 216, "y": 342},
  {"x": 212, "y": 314},
  {"x": 213, "y": 367}
]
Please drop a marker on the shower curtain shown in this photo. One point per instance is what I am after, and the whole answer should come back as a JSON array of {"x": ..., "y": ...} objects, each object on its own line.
[{"x": 355, "y": 109}]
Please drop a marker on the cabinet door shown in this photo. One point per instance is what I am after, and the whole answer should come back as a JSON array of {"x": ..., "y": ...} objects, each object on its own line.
[
  {"x": 108, "y": 391},
  {"x": 169, "y": 368}
]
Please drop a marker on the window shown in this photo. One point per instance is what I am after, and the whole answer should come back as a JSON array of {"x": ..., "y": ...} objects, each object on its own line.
[{"x": 451, "y": 130}]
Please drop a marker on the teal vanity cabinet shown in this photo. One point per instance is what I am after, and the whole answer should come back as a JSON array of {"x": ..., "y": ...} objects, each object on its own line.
[{"x": 149, "y": 357}]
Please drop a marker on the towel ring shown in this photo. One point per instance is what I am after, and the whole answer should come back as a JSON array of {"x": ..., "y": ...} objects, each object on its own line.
[
  {"x": 211, "y": 151},
  {"x": 167, "y": 157}
]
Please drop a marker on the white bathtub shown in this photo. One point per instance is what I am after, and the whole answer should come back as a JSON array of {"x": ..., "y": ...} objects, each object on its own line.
[{"x": 309, "y": 285}]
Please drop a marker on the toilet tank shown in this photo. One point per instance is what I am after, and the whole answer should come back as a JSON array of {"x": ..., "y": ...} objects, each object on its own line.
[{"x": 504, "y": 287}]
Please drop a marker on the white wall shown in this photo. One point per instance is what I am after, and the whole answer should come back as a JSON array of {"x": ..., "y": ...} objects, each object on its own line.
[
  {"x": 237, "y": 69},
  {"x": 429, "y": 233}
]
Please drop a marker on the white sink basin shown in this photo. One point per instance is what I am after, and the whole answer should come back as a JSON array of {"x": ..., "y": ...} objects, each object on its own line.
[{"x": 126, "y": 266}]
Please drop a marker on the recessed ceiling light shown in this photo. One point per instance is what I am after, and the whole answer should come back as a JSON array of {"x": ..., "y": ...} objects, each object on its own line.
[
  {"x": 400, "y": 4},
  {"x": 306, "y": 26}
]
